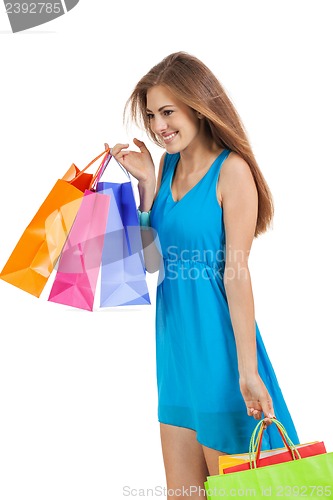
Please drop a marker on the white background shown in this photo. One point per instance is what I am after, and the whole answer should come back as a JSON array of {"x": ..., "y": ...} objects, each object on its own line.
[{"x": 78, "y": 416}]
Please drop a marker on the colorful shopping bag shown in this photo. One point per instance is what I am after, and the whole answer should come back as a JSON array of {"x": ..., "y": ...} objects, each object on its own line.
[
  {"x": 310, "y": 477},
  {"x": 33, "y": 259},
  {"x": 123, "y": 273},
  {"x": 235, "y": 463}
]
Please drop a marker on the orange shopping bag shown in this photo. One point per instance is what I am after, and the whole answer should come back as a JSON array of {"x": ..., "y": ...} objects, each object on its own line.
[{"x": 34, "y": 257}]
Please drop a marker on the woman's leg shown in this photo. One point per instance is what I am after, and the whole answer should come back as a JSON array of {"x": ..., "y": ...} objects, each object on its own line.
[
  {"x": 212, "y": 459},
  {"x": 184, "y": 461}
]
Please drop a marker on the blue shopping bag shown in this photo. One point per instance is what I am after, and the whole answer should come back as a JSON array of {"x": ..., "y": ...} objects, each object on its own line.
[{"x": 123, "y": 274}]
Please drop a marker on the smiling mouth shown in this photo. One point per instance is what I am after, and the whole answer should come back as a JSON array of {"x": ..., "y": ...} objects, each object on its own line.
[{"x": 170, "y": 137}]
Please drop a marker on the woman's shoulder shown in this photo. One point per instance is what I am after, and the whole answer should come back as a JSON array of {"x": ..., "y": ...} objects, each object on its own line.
[
  {"x": 235, "y": 168},
  {"x": 236, "y": 163},
  {"x": 235, "y": 174}
]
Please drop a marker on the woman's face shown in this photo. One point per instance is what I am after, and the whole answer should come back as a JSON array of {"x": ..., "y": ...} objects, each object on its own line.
[{"x": 171, "y": 120}]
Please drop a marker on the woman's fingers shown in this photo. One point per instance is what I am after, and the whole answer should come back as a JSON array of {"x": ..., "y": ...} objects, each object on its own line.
[
  {"x": 257, "y": 398},
  {"x": 118, "y": 148},
  {"x": 138, "y": 163},
  {"x": 257, "y": 414},
  {"x": 266, "y": 404},
  {"x": 267, "y": 408},
  {"x": 141, "y": 145},
  {"x": 267, "y": 422},
  {"x": 256, "y": 409}
]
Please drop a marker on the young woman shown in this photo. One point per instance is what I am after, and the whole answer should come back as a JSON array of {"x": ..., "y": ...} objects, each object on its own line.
[{"x": 209, "y": 202}]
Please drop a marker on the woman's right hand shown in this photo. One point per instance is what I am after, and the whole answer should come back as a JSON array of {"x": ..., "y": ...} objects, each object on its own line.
[{"x": 138, "y": 163}]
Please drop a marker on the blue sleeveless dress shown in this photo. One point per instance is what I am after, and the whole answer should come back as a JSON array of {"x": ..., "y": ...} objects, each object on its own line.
[{"x": 196, "y": 358}]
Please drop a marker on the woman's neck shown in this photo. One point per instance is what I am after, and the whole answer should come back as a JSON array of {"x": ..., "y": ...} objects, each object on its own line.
[{"x": 198, "y": 157}]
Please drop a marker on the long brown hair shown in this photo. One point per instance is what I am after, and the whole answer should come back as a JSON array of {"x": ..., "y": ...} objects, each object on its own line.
[{"x": 193, "y": 83}]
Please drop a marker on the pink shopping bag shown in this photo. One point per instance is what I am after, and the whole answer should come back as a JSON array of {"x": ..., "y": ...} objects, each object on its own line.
[{"x": 77, "y": 274}]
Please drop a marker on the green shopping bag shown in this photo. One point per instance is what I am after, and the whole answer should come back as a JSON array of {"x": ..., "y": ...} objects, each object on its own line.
[{"x": 310, "y": 477}]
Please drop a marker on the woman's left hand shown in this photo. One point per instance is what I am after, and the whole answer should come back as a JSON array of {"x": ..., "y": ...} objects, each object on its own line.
[{"x": 257, "y": 398}]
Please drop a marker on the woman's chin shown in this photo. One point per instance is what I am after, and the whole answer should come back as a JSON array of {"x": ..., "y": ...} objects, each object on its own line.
[{"x": 172, "y": 148}]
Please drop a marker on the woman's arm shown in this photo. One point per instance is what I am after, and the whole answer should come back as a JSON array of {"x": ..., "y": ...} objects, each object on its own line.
[
  {"x": 140, "y": 165},
  {"x": 240, "y": 208},
  {"x": 152, "y": 252}
]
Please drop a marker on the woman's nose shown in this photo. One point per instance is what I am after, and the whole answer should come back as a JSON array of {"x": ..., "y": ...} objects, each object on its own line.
[{"x": 159, "y": 125}]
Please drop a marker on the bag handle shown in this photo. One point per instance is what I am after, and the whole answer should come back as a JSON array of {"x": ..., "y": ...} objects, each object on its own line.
[
  {"x": 104, "y": 153},
  {"x": 256, "y": 442},
  {"x": 102, "y": 167}
]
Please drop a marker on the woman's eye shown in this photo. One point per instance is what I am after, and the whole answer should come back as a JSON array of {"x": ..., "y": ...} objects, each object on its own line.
[
  {"x": 168, "y": 112},
  {"x": 150, "y": 116}
]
